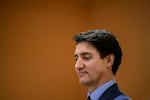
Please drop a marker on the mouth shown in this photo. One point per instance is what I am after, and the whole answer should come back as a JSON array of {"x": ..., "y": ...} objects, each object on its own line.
[{"x": 82, "y": 74}]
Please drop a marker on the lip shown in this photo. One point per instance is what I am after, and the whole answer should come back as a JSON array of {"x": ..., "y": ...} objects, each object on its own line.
[{"x": 81, "y": 74}]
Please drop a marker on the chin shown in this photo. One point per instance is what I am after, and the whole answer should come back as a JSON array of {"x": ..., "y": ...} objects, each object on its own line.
[{"x": 83, "y": 82}]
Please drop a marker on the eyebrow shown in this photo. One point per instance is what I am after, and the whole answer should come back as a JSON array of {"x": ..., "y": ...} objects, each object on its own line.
[{"x": 83, "y": 53}]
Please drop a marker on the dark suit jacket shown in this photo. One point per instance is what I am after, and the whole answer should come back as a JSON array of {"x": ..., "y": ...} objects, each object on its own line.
[{"x": 111, "y": 93}]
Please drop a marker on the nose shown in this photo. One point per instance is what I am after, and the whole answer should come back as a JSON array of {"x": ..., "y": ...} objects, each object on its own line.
[{"x": 79, "y": 64}]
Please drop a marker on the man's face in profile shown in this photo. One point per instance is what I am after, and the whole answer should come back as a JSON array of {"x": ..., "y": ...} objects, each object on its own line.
[{"x": 89, "y": 67}]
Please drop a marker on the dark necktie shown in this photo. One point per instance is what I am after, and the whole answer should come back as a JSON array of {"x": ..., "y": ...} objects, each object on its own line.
[{"x": 89, "y": 98}]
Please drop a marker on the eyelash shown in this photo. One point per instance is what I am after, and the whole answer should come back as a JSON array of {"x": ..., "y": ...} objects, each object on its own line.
[{"x": 86, "y": 58}]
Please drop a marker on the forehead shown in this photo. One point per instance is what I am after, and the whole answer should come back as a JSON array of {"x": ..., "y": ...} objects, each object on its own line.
[{"x": 84, "y": 47}]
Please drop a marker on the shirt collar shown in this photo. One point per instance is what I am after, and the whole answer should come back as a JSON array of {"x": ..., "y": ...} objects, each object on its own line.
[{"x": 100, "y": 90}]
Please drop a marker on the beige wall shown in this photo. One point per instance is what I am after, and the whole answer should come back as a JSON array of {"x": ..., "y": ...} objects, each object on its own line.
[{"x": 37, "y": 50}]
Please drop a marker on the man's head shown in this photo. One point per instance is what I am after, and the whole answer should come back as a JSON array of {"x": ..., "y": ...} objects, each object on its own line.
[
  {"x": 98, "y": 56},
  {"x": 104, "y": 42}
]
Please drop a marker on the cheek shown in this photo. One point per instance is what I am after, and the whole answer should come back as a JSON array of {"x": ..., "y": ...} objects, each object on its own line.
[{"x": 96, "y": 68}]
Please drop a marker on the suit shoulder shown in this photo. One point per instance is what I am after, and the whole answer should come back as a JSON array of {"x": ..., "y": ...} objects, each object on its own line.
[{"x": 122, "y": 97}]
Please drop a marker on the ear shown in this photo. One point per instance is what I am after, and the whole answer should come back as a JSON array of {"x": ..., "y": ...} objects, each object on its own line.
[{"x": 110, "y": 60}]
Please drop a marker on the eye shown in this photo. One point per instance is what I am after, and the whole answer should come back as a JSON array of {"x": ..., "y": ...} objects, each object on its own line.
[
  {"x": 75, "y": 58},
  {"x": 87, "y": 58}
]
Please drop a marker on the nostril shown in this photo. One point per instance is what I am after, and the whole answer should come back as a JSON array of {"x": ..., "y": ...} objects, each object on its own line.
[{"x": 79, "y": 65}]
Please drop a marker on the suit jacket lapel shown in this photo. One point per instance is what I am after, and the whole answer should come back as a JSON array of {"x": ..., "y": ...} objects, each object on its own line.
[{"x": 111, "y": 93}]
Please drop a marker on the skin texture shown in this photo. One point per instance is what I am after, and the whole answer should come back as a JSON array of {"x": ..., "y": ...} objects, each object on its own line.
[{"x": 90, "y": 68}]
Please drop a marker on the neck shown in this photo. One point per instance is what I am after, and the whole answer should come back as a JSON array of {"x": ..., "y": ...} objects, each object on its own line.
[{"x": 102, "y": 81}]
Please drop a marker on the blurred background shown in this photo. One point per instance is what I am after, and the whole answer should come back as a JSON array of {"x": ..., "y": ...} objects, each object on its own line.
[{"x": 36, "y": 47}]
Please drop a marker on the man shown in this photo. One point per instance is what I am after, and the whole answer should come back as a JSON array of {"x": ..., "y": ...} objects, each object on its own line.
[{"x": 98, "y": 56}]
